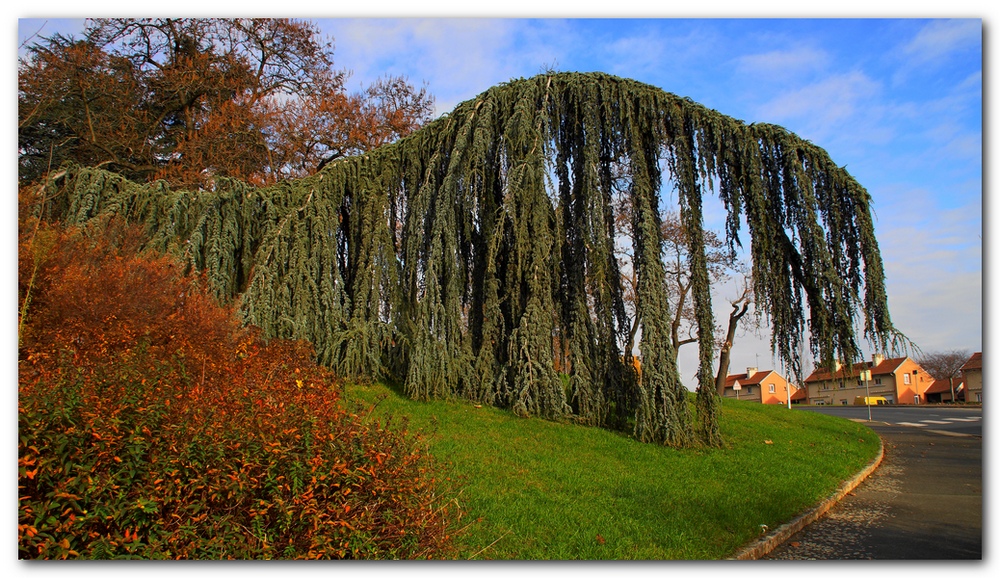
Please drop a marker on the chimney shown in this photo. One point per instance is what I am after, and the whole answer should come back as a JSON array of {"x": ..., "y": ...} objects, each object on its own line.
[
  {"x": 877, "y": 358},
  {"x": 751, "y": 371}
]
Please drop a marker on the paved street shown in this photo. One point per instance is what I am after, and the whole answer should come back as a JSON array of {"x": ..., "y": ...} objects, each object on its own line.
[
  {"x": 925, "y": 502},
  {"x": 954, "y": 419}
]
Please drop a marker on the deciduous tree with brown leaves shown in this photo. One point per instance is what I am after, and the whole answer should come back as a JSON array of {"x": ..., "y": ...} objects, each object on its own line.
[
  {"x": 188, "y": 100},
  {"x": 944, "y": 364}
]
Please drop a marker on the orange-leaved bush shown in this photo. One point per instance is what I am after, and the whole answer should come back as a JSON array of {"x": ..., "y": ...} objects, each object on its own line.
[{"x": 151, "y": 425}]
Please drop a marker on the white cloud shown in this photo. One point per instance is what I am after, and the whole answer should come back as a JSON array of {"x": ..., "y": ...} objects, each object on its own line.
[
  {"x": 783, "y": 63},
  {"x": 940, "y": 244},
  {"x": 935, "y": 46},
  {"x": 933, "y": 262},
  {"x": 651, "y": 50},
  {"x": 457, "y": 57},
  {"x": 940, "y": 38},
  {"x": 825, "y": 107},
  {"x": 938, "y": 312}
]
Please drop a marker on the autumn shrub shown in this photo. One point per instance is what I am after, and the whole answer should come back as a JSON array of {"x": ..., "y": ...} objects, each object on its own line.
[{"x": 151, "y": 425}]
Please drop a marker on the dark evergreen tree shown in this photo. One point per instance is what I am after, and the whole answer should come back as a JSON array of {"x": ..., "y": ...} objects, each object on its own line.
[{"x": 470, "y": 258}]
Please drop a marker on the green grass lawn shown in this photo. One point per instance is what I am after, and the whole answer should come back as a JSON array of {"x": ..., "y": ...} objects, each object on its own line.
[{"x": 531, "y": 489}]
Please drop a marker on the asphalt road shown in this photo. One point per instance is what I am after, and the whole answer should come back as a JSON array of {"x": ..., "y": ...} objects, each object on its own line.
[
  {"x": 941, "y": 418},
  {"x": 924, "y": 502}
]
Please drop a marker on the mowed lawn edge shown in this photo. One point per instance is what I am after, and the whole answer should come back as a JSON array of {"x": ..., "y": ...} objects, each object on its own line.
[{"x": 532, "y": 489}]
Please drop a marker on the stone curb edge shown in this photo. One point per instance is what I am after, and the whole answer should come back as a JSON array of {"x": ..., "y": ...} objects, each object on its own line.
[{"x": 769, "y": 542}]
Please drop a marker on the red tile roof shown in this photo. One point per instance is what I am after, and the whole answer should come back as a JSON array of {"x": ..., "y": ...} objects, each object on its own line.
[
  {"x": 757, "y": 377},
  {"x": 886, "y": 367},
  {"x": 744, "y": 380},
  {"x": 943, "y": 386},
  {"x": 974, "y": 362}
]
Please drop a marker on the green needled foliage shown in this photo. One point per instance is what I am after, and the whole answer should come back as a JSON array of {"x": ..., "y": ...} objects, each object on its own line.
[{"x": 476, "y": 258}]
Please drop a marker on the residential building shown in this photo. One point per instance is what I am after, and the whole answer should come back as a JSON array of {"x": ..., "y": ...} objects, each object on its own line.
[
  {"x": 767, "y": 386},
  {"x": 943, "y": 390},
  {"x": 972, "y": 373},
  {"x": 799, "y": 394},
  {"x": 899, "y": 380}
]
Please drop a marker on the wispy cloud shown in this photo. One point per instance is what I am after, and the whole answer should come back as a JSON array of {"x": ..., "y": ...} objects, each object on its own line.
[
  {"x": 941, "y": 136},
  {"x": 824, "y": 107},
  {"x": 651, "y": 50},
  {"x": 933, "y": 263},
  {"x": 783, "y": 64},
  {"x": 935, "y": 46},
  {"x": 916, "y": 226},
  {"x": 940, "y": 38},
  {"x": 458, "y": 57},
  {"x": 925, "y": 308}
]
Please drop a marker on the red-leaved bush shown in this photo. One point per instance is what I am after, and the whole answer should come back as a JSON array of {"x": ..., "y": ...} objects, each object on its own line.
[{"x": 151, "y": 425}]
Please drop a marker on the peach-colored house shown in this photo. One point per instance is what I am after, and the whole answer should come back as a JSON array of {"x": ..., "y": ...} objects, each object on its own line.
[
  {"x": 900, "y": 380},
  {"x": 767, "y": 386},
  {"x": 972, "y": 373}
]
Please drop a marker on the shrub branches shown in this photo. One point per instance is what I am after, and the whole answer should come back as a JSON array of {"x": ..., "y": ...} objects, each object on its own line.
[{"x": 151, "y": 426}]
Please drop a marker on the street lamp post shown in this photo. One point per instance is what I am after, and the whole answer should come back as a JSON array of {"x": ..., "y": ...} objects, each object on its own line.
[{"x": 867, "y": 375}]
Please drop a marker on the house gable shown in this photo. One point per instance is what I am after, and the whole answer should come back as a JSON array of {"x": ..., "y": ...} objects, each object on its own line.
[
  {"x": 972, "y": 373},
  {"x": 755, "y": 385}
]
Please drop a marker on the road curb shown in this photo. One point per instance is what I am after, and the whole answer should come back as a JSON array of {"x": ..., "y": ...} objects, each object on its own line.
[{"x": 763, "y": 546}]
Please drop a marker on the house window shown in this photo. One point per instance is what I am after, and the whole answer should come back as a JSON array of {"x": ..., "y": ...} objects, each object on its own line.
[
  {"x": 878, "y": 381},
  {"x": 749, "y": 390},
  {"x": 906, "y": 379},
  {"x": 770, "y": 388},
  {"x": 843, "y": 402}
]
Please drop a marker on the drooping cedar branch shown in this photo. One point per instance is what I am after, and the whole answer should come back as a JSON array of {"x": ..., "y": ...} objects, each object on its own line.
[{"x": 476, "y": 257}]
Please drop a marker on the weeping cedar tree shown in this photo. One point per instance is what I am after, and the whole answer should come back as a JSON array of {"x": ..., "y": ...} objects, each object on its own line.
[{"x": 459, "y": 260}]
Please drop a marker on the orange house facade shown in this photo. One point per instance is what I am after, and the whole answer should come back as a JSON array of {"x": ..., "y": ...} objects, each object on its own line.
[
  {"x": 899, "y": 380},
  {"x": 767, "y": 386}
]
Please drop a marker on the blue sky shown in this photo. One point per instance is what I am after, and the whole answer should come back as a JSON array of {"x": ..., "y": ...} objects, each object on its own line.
[{"x": 898, "y": 101}]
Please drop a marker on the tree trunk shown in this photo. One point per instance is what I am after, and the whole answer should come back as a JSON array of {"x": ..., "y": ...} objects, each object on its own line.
[{"x": 734, "y": 320}]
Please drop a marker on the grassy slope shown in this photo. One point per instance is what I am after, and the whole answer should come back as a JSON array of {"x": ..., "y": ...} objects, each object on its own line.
[{"x": 533, "y": 489}]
